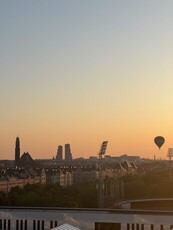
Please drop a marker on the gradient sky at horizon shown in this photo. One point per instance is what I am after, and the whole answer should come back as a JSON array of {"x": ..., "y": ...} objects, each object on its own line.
[{"x": 81, "y": 72}]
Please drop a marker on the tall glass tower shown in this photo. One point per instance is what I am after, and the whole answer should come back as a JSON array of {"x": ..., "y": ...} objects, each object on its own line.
[
  {"x": 68, "y": 154},
  {"x": 59, "y": 153}
]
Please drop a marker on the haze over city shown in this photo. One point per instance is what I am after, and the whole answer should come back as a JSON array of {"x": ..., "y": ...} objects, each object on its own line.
[{"x": 81, "y": 72}]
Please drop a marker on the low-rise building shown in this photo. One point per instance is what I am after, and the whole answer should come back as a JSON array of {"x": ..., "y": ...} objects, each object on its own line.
[{"x": 11, "y": 178}]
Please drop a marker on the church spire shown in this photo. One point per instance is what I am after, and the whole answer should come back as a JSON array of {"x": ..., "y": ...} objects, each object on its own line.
[{"x": 17, "y": 152}]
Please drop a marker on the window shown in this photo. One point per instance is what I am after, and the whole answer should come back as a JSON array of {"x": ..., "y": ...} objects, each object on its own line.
[{"x": 107, "y": 226}]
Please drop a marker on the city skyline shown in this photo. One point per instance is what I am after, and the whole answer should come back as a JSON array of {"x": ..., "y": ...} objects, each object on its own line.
[
  {"x": 84, "y": 72},
  {"x": 65, "y": 154}
]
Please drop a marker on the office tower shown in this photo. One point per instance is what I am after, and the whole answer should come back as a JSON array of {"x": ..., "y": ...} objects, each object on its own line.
[
  {"x": 59, "y": 153},
  {"x": 68, "y": 154},
  {"x": 17, "y": 152}
]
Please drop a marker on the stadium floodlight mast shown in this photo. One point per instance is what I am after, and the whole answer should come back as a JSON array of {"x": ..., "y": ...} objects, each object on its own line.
[
  {"x": 103, "y": 148},
  {"x": 169, "y": 155},
  {"x": 101, "y": 180}
]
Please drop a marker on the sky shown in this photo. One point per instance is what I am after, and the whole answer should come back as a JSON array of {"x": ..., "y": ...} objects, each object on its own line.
[{"x": 81, "y": 72}]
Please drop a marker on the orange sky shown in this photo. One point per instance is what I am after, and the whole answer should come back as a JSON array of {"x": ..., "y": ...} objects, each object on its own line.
[{"x": 82, "y": 73}]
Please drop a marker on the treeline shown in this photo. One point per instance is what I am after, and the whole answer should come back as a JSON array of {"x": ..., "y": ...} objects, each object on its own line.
[
  {"x": 51, "y": 195},
  {"x": 151, "y": 185}
]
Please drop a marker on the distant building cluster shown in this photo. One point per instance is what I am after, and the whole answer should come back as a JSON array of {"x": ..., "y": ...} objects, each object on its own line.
[
  {"x": 63, "y": 175},
  {"x": 65, "y": 171},
  {"x": 11, "y": 177}
]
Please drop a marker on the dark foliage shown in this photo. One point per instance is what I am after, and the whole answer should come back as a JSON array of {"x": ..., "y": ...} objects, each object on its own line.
[
  {"x": 150, "y": 185},
  {"x": 53, "y": 195}
]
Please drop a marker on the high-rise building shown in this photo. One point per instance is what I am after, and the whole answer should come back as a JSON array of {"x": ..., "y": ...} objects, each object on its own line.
[
  {"x": 59, "y": 153},
  {"x": 17, "y": 152},
  {"x": 68, "y": 154}
]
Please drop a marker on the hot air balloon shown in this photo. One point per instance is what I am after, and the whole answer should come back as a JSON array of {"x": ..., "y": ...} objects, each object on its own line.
[{"x": 159, "y": 141}]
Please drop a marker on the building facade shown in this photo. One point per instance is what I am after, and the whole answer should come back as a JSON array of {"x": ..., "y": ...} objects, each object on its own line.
[{"x": 21, "y": 218}]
